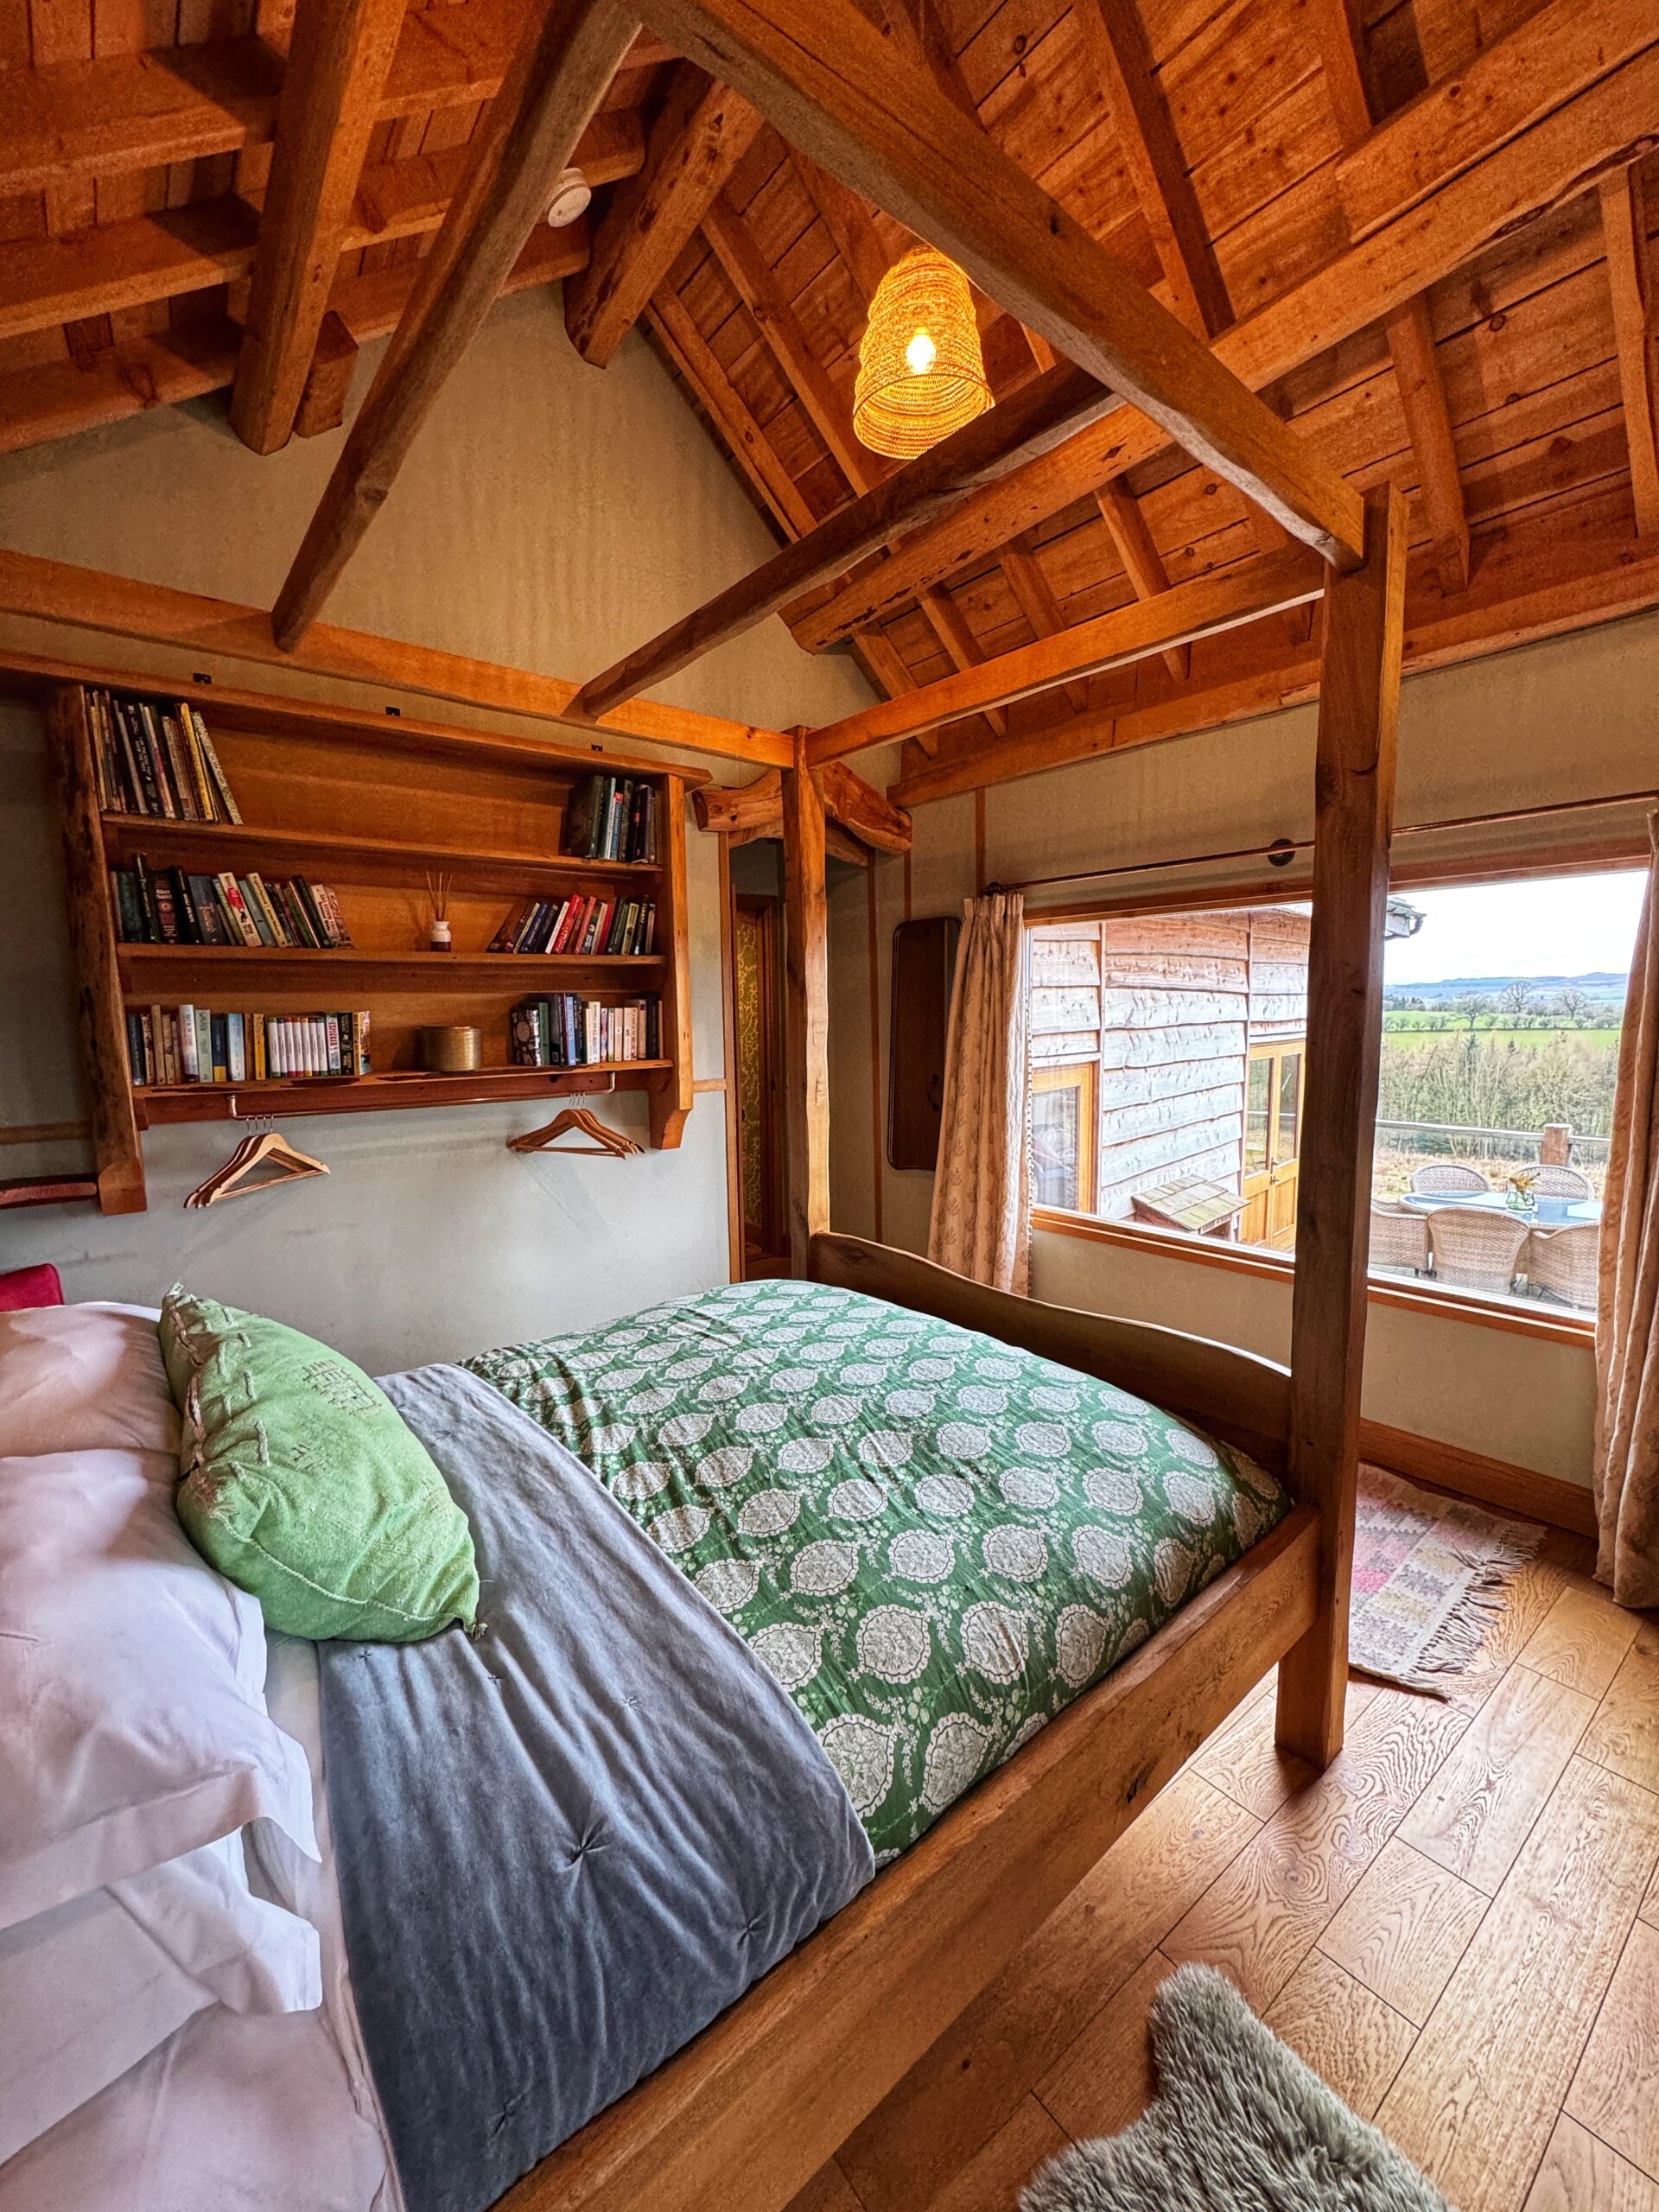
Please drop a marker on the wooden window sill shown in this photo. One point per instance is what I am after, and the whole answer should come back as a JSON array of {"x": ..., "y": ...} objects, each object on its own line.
[{"x": 1546, "y": 1326}]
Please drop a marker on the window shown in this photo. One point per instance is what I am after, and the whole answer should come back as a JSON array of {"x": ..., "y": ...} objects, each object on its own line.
[
  {"x": 1064, "y": 1136},
  {"x": 1501, "y": 1015},
  {"x": 1169, "y": 1053}
]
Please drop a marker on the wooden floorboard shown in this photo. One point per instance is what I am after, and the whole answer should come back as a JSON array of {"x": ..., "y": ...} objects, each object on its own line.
[{"x": 1444, "y": 1926}]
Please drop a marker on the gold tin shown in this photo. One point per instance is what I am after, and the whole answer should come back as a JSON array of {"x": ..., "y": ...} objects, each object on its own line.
[{"x": 452, "y": 1051}]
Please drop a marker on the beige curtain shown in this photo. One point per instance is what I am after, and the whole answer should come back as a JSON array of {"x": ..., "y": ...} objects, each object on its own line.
[
  {"x": 1627, "y": 1325},
  {"x": 982, "y": 1193}
]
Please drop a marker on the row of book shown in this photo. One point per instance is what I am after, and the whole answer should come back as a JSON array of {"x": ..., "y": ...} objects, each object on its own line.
[
  {"x": 153, "y": 759},
  {"x": 611, "y": 818},
  {"x": 192, "y": 1043},
  {"x": 568, "y": 1031},
  {"x": 579, "y": 925},
  {"x": 168, "y": 907}
]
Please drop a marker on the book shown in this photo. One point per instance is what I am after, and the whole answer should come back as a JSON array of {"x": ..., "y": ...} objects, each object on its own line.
[{"x": 230, "y": 892}]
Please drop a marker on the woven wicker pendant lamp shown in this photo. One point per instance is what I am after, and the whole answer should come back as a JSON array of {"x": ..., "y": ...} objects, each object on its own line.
[{"x": 920, "y": 371}]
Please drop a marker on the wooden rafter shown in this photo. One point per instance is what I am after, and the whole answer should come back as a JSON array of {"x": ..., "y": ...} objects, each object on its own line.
[
  {"x": 1115, "y": 46},
  {"x": 829, "y": 82},
  {"x": 1028, "y": 582},
  {"x": 1031, "y": 421},
  {"x": 702, "y": 133},
  {"x": 1143, "y": 564},
  {"x": 1410, "y": 333},
  {"x": 337, "y": 65},
  {"x": 1198, "y": 609},
  {"x": 568, "y": 59},
  {"x": 121, "y": 606},
  {"x": 1629, "y": 274},
  {"x": 1543, "y": 597},
  {"x": 756, "y": 809},
  {"x": 1476, "y": 199}
]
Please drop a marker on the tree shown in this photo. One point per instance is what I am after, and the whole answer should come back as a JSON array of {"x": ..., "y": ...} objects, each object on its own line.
[
  {"x": 1518, "y": 998},
  {"x": 1572, "y": 1002},
  {"x": 1472, "y": 1005}
]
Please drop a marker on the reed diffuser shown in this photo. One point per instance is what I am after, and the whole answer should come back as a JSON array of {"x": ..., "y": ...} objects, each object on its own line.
[{"x": 438, "y": 936}]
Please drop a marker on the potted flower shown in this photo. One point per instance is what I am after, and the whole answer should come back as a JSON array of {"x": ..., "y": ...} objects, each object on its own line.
[{"x": 1520, "y": 1182}]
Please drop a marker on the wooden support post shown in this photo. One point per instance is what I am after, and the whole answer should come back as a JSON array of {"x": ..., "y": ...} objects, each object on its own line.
[
  {"x": 99, "y": 1014},
  {"x": 1359, "y": 704},
  {"x": 672, "y": 1093},
  {"x": 806, "y": 1007}
]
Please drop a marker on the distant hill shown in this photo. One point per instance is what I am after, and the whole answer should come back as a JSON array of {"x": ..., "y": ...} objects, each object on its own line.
[{"x": 1600, "y": 985}]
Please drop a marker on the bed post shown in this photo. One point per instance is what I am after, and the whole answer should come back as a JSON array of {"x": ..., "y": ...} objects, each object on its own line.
[
  {"x": 806, "y": 1007},
  {"x": 1359, "y": 702}
]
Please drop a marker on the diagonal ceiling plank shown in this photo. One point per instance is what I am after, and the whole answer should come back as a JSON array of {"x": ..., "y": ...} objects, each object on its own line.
[
  {"x": 1028, "y": 582},
  {"x": 1410, "y": 333},
  {"x": 1038, "y": 416},
  {"x": 1198, "y": 609},
  {"x": 702, "y": 133},
  {"x": 831, "y": 83},
  {"x": 1630, "y": 272},
  {"x": 558, "y": 78},
  {"x": 337, "y": 66},
  {"x": 1561, "y": 154}
]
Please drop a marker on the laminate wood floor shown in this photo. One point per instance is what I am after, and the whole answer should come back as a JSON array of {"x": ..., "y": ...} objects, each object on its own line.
[{"x": 1457, "y": 1925}]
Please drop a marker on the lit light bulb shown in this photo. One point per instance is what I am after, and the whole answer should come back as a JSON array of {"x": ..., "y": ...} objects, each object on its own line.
[{"x": 920, "y": 354}]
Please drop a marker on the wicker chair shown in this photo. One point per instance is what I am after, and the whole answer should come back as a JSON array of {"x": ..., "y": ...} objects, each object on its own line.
[
  {"x": 1476, "y": 1250},
  {"x": 1446, "y": 1175},
  {"x": 1560, "y": 1183},
  {"x": 1399, "y": 1237},
  {"x": 1565, "y": 1261}
]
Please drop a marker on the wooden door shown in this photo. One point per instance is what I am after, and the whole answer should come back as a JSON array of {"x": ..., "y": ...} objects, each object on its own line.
[
  {"x": 1272, "y": 1124},
  {"x": 758, "y": 1013}
]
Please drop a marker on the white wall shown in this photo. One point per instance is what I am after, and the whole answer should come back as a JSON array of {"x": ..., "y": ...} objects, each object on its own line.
[
  {"x": 551, "y": 516},
  {"x": 1557, "y": 721}
]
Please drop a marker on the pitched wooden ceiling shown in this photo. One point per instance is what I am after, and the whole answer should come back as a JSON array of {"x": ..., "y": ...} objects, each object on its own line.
[{"x": 1272, "y": 166}]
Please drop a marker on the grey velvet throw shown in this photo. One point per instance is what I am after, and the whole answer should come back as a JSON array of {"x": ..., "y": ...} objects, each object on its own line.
[{"x": 564, "y": 1847}]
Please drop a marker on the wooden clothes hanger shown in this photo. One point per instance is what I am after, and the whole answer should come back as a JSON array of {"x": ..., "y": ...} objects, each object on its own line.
[
  {"x": 268, "y": 1150},
  {"x": 580, "y": 1120}
]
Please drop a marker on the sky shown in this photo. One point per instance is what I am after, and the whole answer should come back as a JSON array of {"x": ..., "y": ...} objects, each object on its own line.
[{"x": 1553, "y": 925}]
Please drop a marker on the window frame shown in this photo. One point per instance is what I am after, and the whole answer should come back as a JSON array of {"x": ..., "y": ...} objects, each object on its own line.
[
  {"x": 1547, "y": 1325},
  {"x": 1088, "y": 1120}
]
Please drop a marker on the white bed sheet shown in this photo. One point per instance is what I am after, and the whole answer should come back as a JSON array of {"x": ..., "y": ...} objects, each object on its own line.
[{"x": 233, "y": 2114}]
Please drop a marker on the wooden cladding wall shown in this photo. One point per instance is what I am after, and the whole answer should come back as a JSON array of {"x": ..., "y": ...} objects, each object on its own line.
[{"x": 1168, "y": 1005}]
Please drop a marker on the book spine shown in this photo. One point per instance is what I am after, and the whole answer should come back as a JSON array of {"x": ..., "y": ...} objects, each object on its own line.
[
  {"x": 334, "y": 920},
  {"x": 236, "y": 907},
  {"x": 365, "y": 1064},
  {"x": 236, "y": 1060},
  {"x": 167, "y": 914},
  {"x": 189, "y": 1066},
  {"x": 229, "y": 811},
  {"x": 150, "y": 723},
  {"x": 255, "y": 910},
  {"x": 101, "y": 760},
  {"x": 178, "y": 767}
]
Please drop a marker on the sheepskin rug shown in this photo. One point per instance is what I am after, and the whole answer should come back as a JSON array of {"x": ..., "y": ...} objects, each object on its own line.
[{"x": 1239, "y": 2125}]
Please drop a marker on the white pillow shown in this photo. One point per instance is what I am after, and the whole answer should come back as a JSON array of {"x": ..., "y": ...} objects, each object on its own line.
[
  {"x": 89, "y": 1988},
  {"x": 132, "y": 1685},
  {"x": 84, "y": 1378}
]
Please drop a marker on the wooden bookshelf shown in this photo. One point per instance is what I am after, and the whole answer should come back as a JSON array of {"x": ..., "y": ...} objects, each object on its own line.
[{"x": 371, "y": 807}]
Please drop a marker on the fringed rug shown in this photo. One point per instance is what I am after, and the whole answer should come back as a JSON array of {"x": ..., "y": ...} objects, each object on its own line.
[
  {"x": 1239, "y": 2125},
  {"x": 1429, "y": 1579}
]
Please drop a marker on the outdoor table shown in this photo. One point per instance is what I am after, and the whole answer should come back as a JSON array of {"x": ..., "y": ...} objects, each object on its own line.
[{"x": 1546, "y": 1213}]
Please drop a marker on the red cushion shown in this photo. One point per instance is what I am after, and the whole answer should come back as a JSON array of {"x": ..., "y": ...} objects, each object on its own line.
[{"x": 30, "y": 1286}]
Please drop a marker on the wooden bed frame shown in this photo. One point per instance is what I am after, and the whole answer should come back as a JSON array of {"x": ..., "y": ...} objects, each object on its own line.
[{"x": 743, "y": 2117}]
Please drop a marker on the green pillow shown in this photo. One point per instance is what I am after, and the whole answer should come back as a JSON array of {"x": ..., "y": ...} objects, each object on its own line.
[{"x": 303, "y": 1484}]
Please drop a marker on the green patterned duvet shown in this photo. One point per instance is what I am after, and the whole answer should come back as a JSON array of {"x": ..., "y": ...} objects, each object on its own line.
[{"x": 935, "y": 1542}]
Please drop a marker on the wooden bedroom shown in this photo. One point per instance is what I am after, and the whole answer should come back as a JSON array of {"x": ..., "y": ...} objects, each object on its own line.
[{"x": 909, "y": 746}]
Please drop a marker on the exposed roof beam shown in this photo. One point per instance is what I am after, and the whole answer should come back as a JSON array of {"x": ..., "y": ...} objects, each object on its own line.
[
  {"x": 1410, "y": 332},
  {"x": 121, "y": 606},
  {"x": 1630, "y": 272},
  {"x": 848, "y": 222},
  {"x": 1537, "y": 601},
  {"x": 1558, "y": 158},
  {"x": 337, "y": 65},
  {"x": 747, "y": 443},
  {"x": 757, "y": 808},
  {"x": 59, "y": 398},
  {"x": 142, "y": 259},
  {"x": 1115, "y": 46},
  {"x": 1038, "y": 416},
  {"x": 120, "y": 112},
  {"x": 1197, "y": 609},
  {"x": 1505, "y": 90},
  {"x": 829, "y": 82},
  {"x": 1028, "y": 582},
  {"x": 526, "y": 139},
  {"x": 697, "y": 142},
  {"x": 1143, "y": 564},
  {"x": 949, "y": 626}
]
